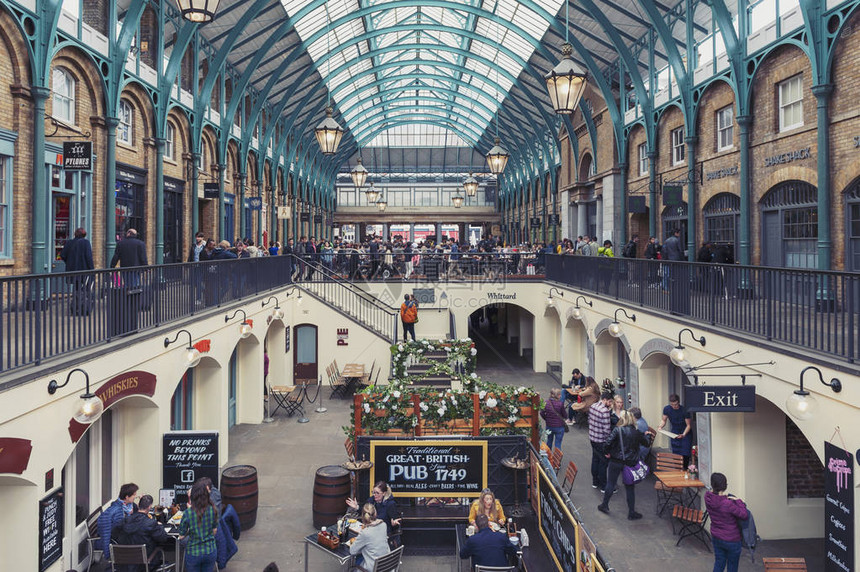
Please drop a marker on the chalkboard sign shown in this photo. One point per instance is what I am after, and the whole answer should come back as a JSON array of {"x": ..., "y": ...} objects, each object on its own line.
[
  {"x": 51, "y": 517},
  {"x": 839, "y": 518},
  {"x": 556, "y": 524},
  {"x": 189, "y": 455},
  {"x": 430, "y": 468}
]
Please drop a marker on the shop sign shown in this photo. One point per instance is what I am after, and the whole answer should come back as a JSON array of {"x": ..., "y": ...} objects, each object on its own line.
[
  {"x": 535, "y": 221},
  {"x": 78, "y": 155},
  {"x": 500, "y": 296},
  {"x": 673, "y": 195},
  {"x": 173, "y": 185},
  {"x": 14, "y": 454},
  {"x": 553, "y": 220},
  {"x": 187, "y": 456},
  {"x": 636, "y": 205},
  {"x": 795, "y": 155},
  {"x": 283, "y": 213},
  {"x": 255, "y": 203},
  {"x": 430, "y": 468},
  {"x": 51, "y": 516},
  {"x": 210, "y": 190},
  {"x": 722, "y": 173},
  {"x": 305, "y": 217},
  {"x": 122, "y": 386},
  {"x": 556, "y": 525},
  {"x": 318, "y": 219},
  {"x": 720, "y": 398},
  {"x": 839, "y": 518},
  {"x": 343, "y": 336}
]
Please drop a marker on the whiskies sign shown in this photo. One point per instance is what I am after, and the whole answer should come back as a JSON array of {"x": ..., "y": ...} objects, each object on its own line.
[{"x": 839, "y": 519}]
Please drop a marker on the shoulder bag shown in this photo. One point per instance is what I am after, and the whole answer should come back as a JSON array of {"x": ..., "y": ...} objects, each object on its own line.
[{"x": 636, "y": 473}]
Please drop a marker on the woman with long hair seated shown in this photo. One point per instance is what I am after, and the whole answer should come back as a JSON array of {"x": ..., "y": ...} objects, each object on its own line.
[
  {"x": 487, "y": 504},
  {"x": 372, "y": 542}
]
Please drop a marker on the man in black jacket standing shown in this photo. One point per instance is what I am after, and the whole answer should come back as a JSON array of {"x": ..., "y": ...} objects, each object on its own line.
[
  {"x": 139, "y": 528},
  {"x": 78, "y": 255},
  {"x": 130, "y": 252}
]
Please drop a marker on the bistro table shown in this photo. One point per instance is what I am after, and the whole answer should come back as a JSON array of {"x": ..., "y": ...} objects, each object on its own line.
[
  {"x": 353, "y": 372},
  {"x": 516, "y": 465},
  {"x": 678, "y": 480},
  {"x": 341, "y": 553}
]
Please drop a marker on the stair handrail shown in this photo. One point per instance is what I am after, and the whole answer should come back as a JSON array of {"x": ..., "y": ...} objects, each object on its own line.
[{"x": 346, "y": 283}]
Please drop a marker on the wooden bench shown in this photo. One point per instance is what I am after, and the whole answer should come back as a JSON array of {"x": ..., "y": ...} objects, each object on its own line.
[{"x": 779, "y": 564}]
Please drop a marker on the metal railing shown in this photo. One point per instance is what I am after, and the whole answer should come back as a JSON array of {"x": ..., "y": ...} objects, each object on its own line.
[
  {"x": 43, "y": 316},
  {"x": 808, "y": 309}
]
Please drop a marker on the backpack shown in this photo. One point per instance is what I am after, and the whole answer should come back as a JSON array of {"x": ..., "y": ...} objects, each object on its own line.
[
  {"x": 409, "y": 313},
  {"x": 629, "y": 250}
]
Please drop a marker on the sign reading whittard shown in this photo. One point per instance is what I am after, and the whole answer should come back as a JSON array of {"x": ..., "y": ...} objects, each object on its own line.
[
  {"x": 720, "y": 398},
  {"x": 428, "y": 468},
  {"x": 556, "y": 525},
  {"x": 122, "y": 386},
  {"x": 189, "y": 455},
  {"x": 51, "y": 516},
  {"x": 838, "y": 509}
]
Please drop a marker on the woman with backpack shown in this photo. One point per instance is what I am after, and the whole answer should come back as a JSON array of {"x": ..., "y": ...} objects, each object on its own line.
[
  {"x": 409, "y": 315},
  {"x": 725, "y": 511}
]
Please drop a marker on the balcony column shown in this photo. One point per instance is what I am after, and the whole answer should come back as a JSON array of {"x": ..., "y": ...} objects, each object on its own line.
[
  {"x": 652, "y": 193},
  {"x": 822, "y": 98},
  {"x": 692, "y": 198},
  {"x": 744, "y": 256},
  {"x": 111, "y": 123},
  {"x": 411, "y": 232},
  {"x": 39, "y": 212},
  {"x": 159, "y": 142}
]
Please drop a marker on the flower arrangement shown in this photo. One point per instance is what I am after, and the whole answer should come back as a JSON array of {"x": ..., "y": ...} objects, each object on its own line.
[{"x": 461, "y": 356}]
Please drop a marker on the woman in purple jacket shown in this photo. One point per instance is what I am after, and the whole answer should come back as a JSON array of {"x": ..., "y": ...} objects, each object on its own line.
[
  {"x": 555, "y": 415},
  {"x": 725, "y": 510}
]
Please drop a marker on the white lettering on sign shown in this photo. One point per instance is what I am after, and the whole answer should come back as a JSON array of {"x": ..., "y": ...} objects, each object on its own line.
[{"x": 714, "y": 399}]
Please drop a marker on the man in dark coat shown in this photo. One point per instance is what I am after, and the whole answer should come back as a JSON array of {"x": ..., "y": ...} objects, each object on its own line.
[
  {"x": 130, "y": 252},
  {"x": 672, "y": 248},
  {"x": 488, "y": 548},
  {"x": 78, "y": 255},
  {"x": 139, "y": 528}
]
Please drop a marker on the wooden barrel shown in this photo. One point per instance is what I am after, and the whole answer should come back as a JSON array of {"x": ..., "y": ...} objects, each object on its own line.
[
  {"x": 331, "y": 489},
  {"x": 239, "y": 488}
]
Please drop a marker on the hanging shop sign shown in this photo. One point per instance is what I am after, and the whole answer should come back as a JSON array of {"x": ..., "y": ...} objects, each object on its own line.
[
  {"x": 318, "y": 218},
  {"x": 556, "y": 525},
  {"x": 78, "y": 155},
  {"x": 430, "y": 468},
  {"x": 122, "y": 386},
  {"x": 305, "y": 217},
  {"x": 210, "y": 190},
  {"x": 535, "y": 222},
  {"x": 795, "y": 155},
  {"x": 553, "y": 220},
  {"x": 839, "y": 518},
  {"x": 636, "y": 205},
  {"x": 720, "y": 398},
  {"x": 722, "y": 173},
  {"x": 51, "y": 516},
  {"x": 14, "y": 454},
  {"x": 187, "y": 456},
  {"x": 283, "y": 213},
  {"x": 673, "y": 195},
  {"x": 255, "y": 203}
]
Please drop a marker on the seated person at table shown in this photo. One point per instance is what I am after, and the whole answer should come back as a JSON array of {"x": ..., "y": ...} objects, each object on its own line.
[
  {"x": 488, "y": 548},
  {"x": 114, "y": 514},
  {"x": 587, "y": 397},
  {"x": 488, "y": 506},
  {"x": 383, "y": 502},
  {"x": 372, "y": 542},
  {"x": 572, "y": 389},
  {"x": 140, "y": 528}
]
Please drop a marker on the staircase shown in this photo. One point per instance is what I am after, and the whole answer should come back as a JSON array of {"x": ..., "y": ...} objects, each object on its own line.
[
  {"x": 553, "y": 368},
  {"x": 440, "y": 381}
]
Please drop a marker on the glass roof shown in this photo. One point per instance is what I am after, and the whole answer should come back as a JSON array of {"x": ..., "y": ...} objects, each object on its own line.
[{"x": 435, "y": 65}]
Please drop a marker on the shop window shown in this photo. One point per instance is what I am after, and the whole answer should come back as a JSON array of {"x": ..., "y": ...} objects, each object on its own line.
[
  {"x": 63, "y": 92},
  {"x": 790, "y": 226},
  {"x": 643, "y": 159},
  {"x": 170, "y": 143},
  {"x": 791, "y": 103},
  {"x": 721, "y": 215},
  {"x": 725, "y": 128},
  {"x": 5, "y": 207},
  {"x": 678, "y": 146},
  {"x": 130, "y": 203},
  {"x": 125, "y": 129}
]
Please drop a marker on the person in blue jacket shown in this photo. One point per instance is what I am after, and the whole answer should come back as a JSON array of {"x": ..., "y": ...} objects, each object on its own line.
[
  {"x": 114, "y": 515},
  {"x": 488, "y": 548}
]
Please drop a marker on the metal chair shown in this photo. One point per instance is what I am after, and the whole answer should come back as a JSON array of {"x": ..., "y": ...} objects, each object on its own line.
[
  {"x": 93, "y": 539},
  {"x": 388, "y": 563},
  {"x": 692, "y": 523},
  {"x": 336, "y": 381},
  {"x": 135, "y": 554},
  {"x": 282, "y": 395}
]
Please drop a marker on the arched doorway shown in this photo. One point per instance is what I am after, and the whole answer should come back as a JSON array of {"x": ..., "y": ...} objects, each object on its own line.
[
  {"x": 790, "y": 226},
  {"x": 305, "y": 354},
  {"x": 722, "y": 217}
]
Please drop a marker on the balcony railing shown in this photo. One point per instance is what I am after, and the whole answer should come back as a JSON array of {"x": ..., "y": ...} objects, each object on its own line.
[{"x": 811, "y": 310}]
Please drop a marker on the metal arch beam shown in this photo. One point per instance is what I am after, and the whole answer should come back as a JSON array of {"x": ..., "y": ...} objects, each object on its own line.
[
  {"x": 442, "y": 118},
  {"x": 183, "y": 39},
  {"x": 626, "y": 35},
  {"x": 117, "y": 59},
  {"x": 669, "y": 43},
  {"x": 735, "y": 51},
  {"x": 235, "y": 6}
]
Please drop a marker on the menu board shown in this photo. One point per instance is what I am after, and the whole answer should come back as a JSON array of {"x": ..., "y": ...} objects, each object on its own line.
[
  {"x": 838, "y": 509},
  {"x": 187, "y": 456},
  {"x": 50, "y": 529},
  {"x": 429, "y": 468},
  {"x": 557, "y": 526}
]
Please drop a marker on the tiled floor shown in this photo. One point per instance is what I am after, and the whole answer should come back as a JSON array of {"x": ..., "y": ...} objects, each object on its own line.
[{"x": 287, "y": 455}]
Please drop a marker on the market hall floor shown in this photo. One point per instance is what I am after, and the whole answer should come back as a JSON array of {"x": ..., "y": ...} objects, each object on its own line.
[{"x": 287, "y": 455}]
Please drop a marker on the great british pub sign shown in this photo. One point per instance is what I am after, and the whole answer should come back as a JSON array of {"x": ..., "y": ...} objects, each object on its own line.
[{"x": 429, "y": 468}]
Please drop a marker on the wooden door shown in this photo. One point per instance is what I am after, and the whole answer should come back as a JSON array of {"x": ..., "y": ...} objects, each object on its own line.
[{"x": 305, "y": 354}]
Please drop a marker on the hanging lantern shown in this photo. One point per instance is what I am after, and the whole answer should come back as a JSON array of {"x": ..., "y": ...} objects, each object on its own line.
[
  {"x": 358, "y": 174},
  {"x": 371, "y": 194},
  {"x": 457, "y": 200},
  {"x": 566, "y": 82},
  {"x": 470, "y": 185},
  {"x": 200, "y": 11},
  {"x": 328, "y": 133},
  {"x": 381, "y": 204},
  {"x": 497, "y": 158}
]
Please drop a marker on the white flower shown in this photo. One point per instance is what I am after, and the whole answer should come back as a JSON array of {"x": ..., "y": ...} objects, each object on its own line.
[
  {"x": 482, "y": 394},
  {"x": 474, "y": 351},
  {"x": 521, "y": 389},
  {"x": 448, "y": 349},
  {"x": 414, "y": 421},
  {"x": 386, "y": 398},
  {"x": 474, "y": 375},
  {"x": 512, "y": 409},
  {"x": 512, "y": 419},
  {"x": 420, "y": 351},
  {"x": 423, "y": 406},
  {"x": 394, "y": 407},
  {"x": 391, "y": 420},
  {"x": 454, "y": 400},
  {"x": 396, "y": 394},
  {"x": 367, "y": 408},
  {"x": 492, "y": 403},
  {"x": 441, "y": 411},
  {"x": 441, "y": 395}
]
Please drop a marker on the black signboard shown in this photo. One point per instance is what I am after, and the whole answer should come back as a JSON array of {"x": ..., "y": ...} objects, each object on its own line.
[
  {"x": 556, "y": 524},
  {"x": 187, "y": 456},
  {"x": 210, "y": 190},
  {"x": 51, "y": 515},
  {"x": 318, "y": 219},
  {"x": 305, "y": 217},
  {"x": 255, "y": 203},
  {"x": 553, "y": 220},
  {"x": 173, "y": 185},
  {"x": 535, "y": 221},
  {"x": 78, "y": 155},
  {"x": 720, "y": 398},
  {"x": 839, "y": 518},
  {"x": 673, "y": 195},
  {"x": 430, "y": 468},
  {"x": 636, "y": 205}
]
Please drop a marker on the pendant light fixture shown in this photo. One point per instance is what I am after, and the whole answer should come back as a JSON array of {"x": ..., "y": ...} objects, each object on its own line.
[
  {"x": 497, "y": 157},
  {"x": 381, "y": 204},
  {"x": 328, "y": 132},
  {"x": 457, "y": 200},
  {"x": 566, "y": 81},
  {"x": 358, "y": 173},
  {"x": 199, "y": 11},
  {"x": 372, "y": 194},
  {"x": 470, "y": 185}
]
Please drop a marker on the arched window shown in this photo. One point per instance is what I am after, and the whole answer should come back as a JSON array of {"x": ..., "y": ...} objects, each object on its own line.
[
  {"x": 675, "y": 217},
  {"x": 63, "y": 89},
  {"x": 790, "y": 226},
  {"x": 125, "y": 129},
  {"x": 852, "y": 227},
  {"x": 721, "y": 215},
  {"x": 586, "y": 168}
]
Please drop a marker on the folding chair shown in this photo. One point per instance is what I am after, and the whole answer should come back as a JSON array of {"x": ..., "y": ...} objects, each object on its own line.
[
  {"x": 665, "y": 495},
  {"x": 555, "y": 458},
  {"x": 570, "y": 474},
  {"x": 122, "y": 556},
  {"x": 368, "y": 377},
  {"x": 293, "y": 401},
  {"x": 692, "y": 523},
  {"x": 337, "y": 383},
  {"x": 349, "y": 445},
  {"x": 388, "y": 563},
  {"x": 93, "y": 539},
  {"x": 281, "y": 395}
]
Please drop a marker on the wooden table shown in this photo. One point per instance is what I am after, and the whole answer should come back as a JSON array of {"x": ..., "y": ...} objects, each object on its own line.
[
  {"x": 354, "y": 373},
  {"x": 676, "y": 480}
]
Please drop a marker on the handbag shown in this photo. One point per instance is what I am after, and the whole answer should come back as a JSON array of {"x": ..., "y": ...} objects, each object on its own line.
[{"x": 634, "y": 474}]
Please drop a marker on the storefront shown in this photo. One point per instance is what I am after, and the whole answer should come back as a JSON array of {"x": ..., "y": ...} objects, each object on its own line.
[
  {"x": 130, "y": 201},
  {"x": 71, "y": 206},
  {"x": 173, "y": 223}
]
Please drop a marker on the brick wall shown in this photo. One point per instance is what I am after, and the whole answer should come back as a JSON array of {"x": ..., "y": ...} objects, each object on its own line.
[
  {"x": 95, "y": 13},
  {"x": 804, "y": 471}
]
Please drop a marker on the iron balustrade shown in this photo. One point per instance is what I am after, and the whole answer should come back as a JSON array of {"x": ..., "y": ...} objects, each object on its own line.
[{"x": 809, "y": 309}]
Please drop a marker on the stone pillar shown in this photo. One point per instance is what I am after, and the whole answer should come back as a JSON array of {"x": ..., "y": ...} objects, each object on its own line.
[{"x": 581, "y": 218}]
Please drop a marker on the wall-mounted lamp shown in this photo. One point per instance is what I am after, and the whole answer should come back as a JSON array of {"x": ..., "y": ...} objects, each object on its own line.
[
  {"x": 678, "y": 355},
  {"x": 245, "y": 328},
  {"x": 299, "y": 299},
  {"x": 277, "y": 313},
  {"x": 800, "y": 404},
  {"x": 615, "y": 327},
  {"x": 577, "y": 311},
  {"x": 90, "y": 406},
  {"x": 549, "y": 300},
  {"x": 192, "y": 354}
]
